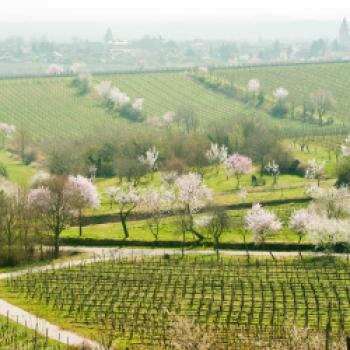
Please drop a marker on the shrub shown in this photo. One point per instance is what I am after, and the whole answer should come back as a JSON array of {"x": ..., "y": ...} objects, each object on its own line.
[
  {"x": 3, "y": 170},
  {"x": 279, "y": 111},
  {"x": 343, "y": 173},
  {"x": 131, "y": 114}
]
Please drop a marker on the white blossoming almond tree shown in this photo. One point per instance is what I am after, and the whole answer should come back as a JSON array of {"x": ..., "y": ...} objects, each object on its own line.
[
  {"x": 138, "y": 104},
  {"x": 150, "y": 159},
  {"x": 84, "y": 194},
  {"x": 326, "y": 222},
  {"x": 191, "y": 196},
  {"x": 127, "y": 199},
  {"x": 156, "y": 202},
  {"x": 169, "y": 118},
  {"x": 103, "y": 88},
  {"x": 299, "y": 222},
  {"x": 52, "y": 205},
  {"x": 254, "y": 88},
  {"x": 238, "y": 165},
  {"x": 111, "y": 192},
  {"x": 217, "y": 155},
  {"x": 280, "y": 94},
  {"x": 55, "y": 69},
  {"x": 315, "y": 170},
  {"x": 345, "y": 147},
  {"x": 322, "y": 101},
  {"x": 6, "y": 131},
  {"x": 262, "y": 223}
]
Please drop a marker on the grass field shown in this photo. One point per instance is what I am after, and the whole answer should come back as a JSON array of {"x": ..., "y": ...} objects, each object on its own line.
[
  {"x": 300, "y": 80},
  {"x": 17, "y": 172},
  {"x": 133, "y": 301}
]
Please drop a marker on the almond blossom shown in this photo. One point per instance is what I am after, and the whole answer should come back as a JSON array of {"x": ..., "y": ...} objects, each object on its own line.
[
  {"x": 253, "y": 86},
  {"x": 138, "y": 104},
  {"x": 192, "y": 193},
  {"x": 118, "y": 98},
  {"x": 191, "y": 196},
  {"x": 345, "y": 148},
  {"x": 156, "y": 202},
  {"x": 7, "y": 129},
  {"x": 217, "y": 154},
  {"x": 299, "y": 222},
  {"x": 261, "y": 223},
  {"x": 55, "y": 69},
  {"x": 280, "y": 94},
  {"x": 127, "y": 198},
  {"x": 103, "y": 88},
  {"x": 111, "y": 193},
  {"x": 150, "y": 158},
  {"x": 169, "y": 117},
  {"x": 238, "y": 165},
  {"x": 315, "y": 170}
]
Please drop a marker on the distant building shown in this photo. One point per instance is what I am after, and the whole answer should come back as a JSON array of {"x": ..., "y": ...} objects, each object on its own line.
[
  {"x": 344, "y": 35},
  {"x": 108, "y": 36},
  {"x": 118, "y": 47}
]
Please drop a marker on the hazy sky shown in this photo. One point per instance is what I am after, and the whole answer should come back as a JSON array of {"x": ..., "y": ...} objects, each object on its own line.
[{"x": 14, "y": 10}]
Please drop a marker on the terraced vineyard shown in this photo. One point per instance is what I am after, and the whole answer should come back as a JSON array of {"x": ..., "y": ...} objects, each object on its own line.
[
  {"x": 135, "y": 300},
  {"x": 300, "y": 80}
]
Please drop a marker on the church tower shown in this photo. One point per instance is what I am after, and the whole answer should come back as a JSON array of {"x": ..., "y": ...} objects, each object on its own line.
[{"x": 344, "y": 34}]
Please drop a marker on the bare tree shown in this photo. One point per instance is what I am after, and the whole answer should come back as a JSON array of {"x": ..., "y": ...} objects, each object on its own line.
[{"x": 322, "y": 102}]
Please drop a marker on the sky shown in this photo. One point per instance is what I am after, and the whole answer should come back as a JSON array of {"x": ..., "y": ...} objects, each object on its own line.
[{"x": 40, "y": 10}]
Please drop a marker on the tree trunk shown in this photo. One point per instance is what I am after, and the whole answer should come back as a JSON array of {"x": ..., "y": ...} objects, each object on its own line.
[
  {"x": 272, "y": 256},
  {"x": 238, "y": 182},
  {"x": 246, "y": 249},
  {"x": 80, "y": 225},
  {"x": 197, "y": 234},
  {"x": 57, "y": 244},
  {"x": 217, "y": 249},
  {"x": 183, "y": 244},
  {"x": 125, "y": 229}
]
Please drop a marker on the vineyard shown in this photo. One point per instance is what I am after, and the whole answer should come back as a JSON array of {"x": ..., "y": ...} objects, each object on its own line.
[
  {"x": 134, "y": 301},
  {"x": 14, "y": 336},
  {"x": 49, "y": 107},
  {"x": 300, "y": 80},
  {"x": 52, "y": 107}
]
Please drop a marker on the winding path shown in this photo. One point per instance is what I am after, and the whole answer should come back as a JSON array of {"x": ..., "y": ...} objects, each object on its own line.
[{"x": 54, "y": 332}]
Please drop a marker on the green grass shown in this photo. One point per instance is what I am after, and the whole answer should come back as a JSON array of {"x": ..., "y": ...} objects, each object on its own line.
[
  {"x": 17, "y": 172},
  {"x": 134, "y": 300},
  {"x": 300, "y": 80},
  {"x": 169, "y": 230}
]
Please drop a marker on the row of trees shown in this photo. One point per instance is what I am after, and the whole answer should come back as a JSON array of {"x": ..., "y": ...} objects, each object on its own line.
[
  {"x": 319, "y": 103},
  {"x": 117, "y": 152},
  {"x": 29, "y": 217}
]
